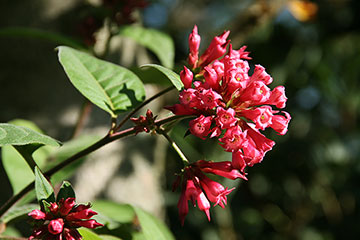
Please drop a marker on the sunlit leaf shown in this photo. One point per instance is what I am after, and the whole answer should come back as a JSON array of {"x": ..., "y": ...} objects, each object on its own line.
[
  {"x": 88, "y": 235},
  {"x": 158, "y": 42},
  {"x": 11, "y": 134},
  {"x": 43, "y": 189},
  {"x": 112, "y": 88},
  {"x": 171, "y": 75},
  {"x": 122, "y": 213}
]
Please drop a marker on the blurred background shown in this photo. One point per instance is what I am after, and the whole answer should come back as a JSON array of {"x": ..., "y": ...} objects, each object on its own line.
[{"x": 306, "y": 188}]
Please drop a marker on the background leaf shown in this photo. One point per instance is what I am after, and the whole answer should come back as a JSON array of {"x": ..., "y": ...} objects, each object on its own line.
[
  {"x": 109, "y": 237},
  {"x": 26, "y": 32},
  {"x": 111, "y": 87},
  {"x": 18, "y": 171},
  {"x": 89, "y": 235},
  {"x": 43, "y": 189},
  {"x": 18, "y": 211},
  {"x": 16, "y": 135},
  {"x": 158, "y": 42},
  {"x": 171, "y": 75},
  {"x": 152, "y": 228},
  {"x": 122, "y": 213}
]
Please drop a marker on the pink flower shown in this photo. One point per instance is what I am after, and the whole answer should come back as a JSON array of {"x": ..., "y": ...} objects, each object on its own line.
[
  {"x": 189, "y": 98},
  {"x": 194, "y": 43},
  {"x": 255, "y": 93},
  {"x": 62, "y": 219},
  {"x": 183, "y": 207},
  {"x": 210, "y": 98},
  {"x": 200, "y": 126},
  {"x": 37, "y": 214},
  {"x": 277, "y": 97},
  {"x": 280, "y": 123},
  {"x": 224, "y": 169},
  {"x": 262, "y": 116},
  {"x": 216, "y": 49},
  {"x": 260, "y": 75},
  {"x": 234, "y": 139},
  {"x": 225, "y": 118},
  {"x": 186, "y": 77}
]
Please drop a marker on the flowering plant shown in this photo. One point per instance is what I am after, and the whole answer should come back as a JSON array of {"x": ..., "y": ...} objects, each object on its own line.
[{"x": 216, "y": 90}]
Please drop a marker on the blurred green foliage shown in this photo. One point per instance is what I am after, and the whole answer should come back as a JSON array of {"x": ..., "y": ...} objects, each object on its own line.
[{"x": 307, "y": 187}]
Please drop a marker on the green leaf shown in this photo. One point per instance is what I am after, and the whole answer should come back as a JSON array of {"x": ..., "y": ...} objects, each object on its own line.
[
  {"x": 18, "y": 211},
  {"x": 88, "y": 235},
  {"x": 43, "y": 189},
  {"x": 171, "y": 75},
  {"x": 112, "y": 88},
  {"x": 26, "y": 32},
  {"x": 65, "y": 191},
  {"x": 18, "y": 171},
  {"x": 152, "y": 227},
  {"x": 11, "y": 134},
  {"x": 108, "y": 237},
  {"x": 158, "y": 42},
  {"x": 122, "y": 213}
]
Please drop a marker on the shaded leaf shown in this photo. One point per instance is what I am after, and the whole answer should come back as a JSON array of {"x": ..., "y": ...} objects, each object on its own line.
[
  {"x": 65, "y": 191},
  {"x": 43, "y": 189},
  {"x": 158, "y": 42},
  {"x": 171, "y": 75},
  {"x": 122, "y": 213},
  {"x": 18, "y": 171},
  {"x": 11, "y": 134},
  {"x": 112, "y": 88},
  {"x": 26, "y": 32},
  {"x": 152, "y": 227},
  {"x": 18, "y": 211}
]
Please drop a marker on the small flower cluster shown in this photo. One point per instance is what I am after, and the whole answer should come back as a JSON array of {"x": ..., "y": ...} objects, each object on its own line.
[
  {"x": 195, "y": 184},
  {"x": 144, "y": 123},
  {"x": 61, "y": 220},
  {"x": 230, "y": 105}
]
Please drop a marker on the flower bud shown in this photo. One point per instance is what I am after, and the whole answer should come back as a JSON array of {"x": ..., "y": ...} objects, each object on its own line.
[
  {"x": 186, "y": 77},
  {"x": 37, "y": 214},
  {"x": 56, "y": 226}
]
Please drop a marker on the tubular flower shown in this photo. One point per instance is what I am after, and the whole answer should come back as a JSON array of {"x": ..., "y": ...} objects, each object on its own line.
[
  {"x": 230, "y": 103},
  {"x": 62, "y": 219},
  {"x": 200, "y": 189}
]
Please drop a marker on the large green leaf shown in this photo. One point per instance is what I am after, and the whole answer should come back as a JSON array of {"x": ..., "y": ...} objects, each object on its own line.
[
  {"x": 158, "y": 42},
  {"x": 108, "y": 237},
  {"x": 152, "y": 227},
  {"x": 18, "y": 171},
  {"x": 171, "y": 75},
  {"x": 122, "y": 213},
  {"x": 43, "y": 188},
  {"x": 111, "y": 87},
  {"x": 18, "y": 211},
  {"x": 11, "y": 134},
  {"x": 88, "y": 234}
]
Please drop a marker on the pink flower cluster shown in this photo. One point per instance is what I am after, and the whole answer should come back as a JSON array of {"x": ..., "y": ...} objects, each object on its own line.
[
  {"x": 195, "y": 184},
  {"x": 61, "y": 221},
  {"x": 230, "y": 104}
]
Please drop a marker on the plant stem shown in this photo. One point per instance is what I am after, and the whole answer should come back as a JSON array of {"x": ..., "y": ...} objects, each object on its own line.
[
  {"x": 105, "y": 140},
  {"x": 26, "y": 153},
  {"x": 84, "y": 114},
  {"x": 174, "y": 146},
  {"x": 130, "y": 114}
]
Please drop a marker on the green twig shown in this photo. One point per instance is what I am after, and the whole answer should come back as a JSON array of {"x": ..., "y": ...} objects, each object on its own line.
[{"x": 174, "y": 146}]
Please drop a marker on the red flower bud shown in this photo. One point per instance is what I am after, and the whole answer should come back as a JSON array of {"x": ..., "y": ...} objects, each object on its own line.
[
  {"x": 37, "y": 214},
  {"x": 56, "y": 226}
]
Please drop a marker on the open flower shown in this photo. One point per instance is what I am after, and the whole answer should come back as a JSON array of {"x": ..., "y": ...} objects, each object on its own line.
[{"x": 62, "y": 219}]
